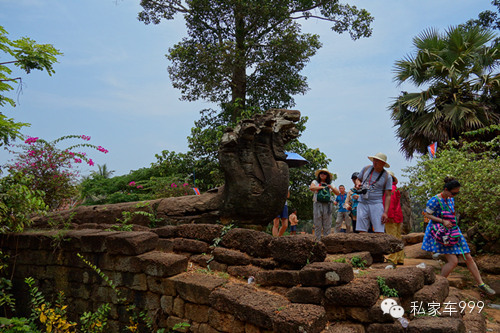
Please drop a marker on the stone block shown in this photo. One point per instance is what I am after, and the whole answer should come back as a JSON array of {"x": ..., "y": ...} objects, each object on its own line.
[
  {"x": 297, "y": 250},
  {"x": 95, "y": 240},
  {"x": 325, "y": 274},
  {"x": 305, "y": 295},
  {"x": 168, "y": 231},
  {"x": 252, "y": 242},
  {"x": 248, "y": 304},
  {"x": 196, "y": 312},
  {"x": 406, "y": 281},
  {"x": 376, "y": 243},
  {"x": 196, "y": 287},
  {"x": 167, "y": 304},
  {"x": 231, "y": 257},
  {"x": 200, "y": 259},
  {"x": 131, "y": 242},
  {"x": 413, "y": 238},
  {"x": 178, "y": 307},
  {"x": 244, "y": 271},
  {"x": 367, "y": 315},
  {"x": 162, "y": 286},
  {"x": 345, "y": 327},
  {"x": 300, "y": 318},
  {"x": 189, "y": 245},
  {"x": 436, "y": 325},
  {"x": 434, "y": 293},
  {"x": 359, "y": 292},
  {"x": 165, "y": 245},
  {"x": 203, "y": 232},
  {"x": 120, "y": 263},
  {"x": 161, "y": 264},
  {"x": 277, "y": 277},
  {"x": 385, "y": 328},
  {"x": 225, "y": 322},
  {"x": 266, "y": 263}
]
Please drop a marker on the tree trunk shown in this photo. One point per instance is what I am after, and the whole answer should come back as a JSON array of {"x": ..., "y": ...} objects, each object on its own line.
[{"x": 239, "y": 78}]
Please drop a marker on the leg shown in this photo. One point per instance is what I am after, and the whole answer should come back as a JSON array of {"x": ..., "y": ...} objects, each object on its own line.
[
  {"x": 338, "y": 222},
  {"x": 347, "y": 222},
  {"x": 363, "y": 219},
  {"x": 276, "y": 225},
  {"x": 451, "y": 263},
  {"x": 317, "y": 220},
  {"x": 375, "y": 213},
  {"x": 327, "y": 219},
  {"x": 471, "y": 265},
  {"x": 284, "y": 225}
]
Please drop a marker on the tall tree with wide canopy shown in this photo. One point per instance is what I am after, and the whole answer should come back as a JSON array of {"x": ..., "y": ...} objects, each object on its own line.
[
  {"x": 27, "y": 55},
  {"x": 457, "y": 70},
  {"x": 243, "y": 53}
]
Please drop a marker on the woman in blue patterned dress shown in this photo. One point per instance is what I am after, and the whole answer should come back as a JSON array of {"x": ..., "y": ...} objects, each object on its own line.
[{"x": 445, "y": 201}]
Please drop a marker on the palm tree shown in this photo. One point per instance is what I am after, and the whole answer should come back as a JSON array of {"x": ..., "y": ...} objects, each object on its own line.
[
  {"x": 103, "y": 171},
  {"x": 462, "y": 92}
]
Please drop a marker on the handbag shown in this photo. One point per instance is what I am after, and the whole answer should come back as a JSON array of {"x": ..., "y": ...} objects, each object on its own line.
[
  {"x": 443, "y": 235},
  {"x": 324, "y": 195}
]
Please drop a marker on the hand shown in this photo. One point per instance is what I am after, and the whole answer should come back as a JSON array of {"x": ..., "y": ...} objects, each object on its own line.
[
  {"x": 384, "y": 218},
  {"x": 356, "y": 197},
  {"x": 447, "y": 223}
]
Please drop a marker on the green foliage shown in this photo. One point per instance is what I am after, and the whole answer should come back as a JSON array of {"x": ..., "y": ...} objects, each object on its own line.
[
  {"x": 458, "y": 69},
  {"x": 476, "y": 165},
  {"x": 227, "y": 39},
  {"x": 358, "y": 262},
  {"x": 27, "y": 55},
  {"x": 487, "y": 19},
  {"x": 95, "y": 322},
  {"x": 384, "y": 288},
  {"x": 341, "y": 260},
  {"x": 6, "y": 298},
  {"x": 18, "y": 202},
  {"x": 16, "y": 325}
]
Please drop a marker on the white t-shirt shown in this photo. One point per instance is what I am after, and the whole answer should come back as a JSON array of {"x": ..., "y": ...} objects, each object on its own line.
[{"x": 376, "y": 189}]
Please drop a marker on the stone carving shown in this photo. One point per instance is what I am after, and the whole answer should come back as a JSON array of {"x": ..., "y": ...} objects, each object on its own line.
[{"x": 256, "y": 181}]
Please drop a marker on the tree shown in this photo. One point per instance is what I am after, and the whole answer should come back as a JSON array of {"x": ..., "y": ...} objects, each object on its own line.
[
  {"x": 248, "y": 53},
  {"x": 476, "y": 165},
  {"x": 487, "y": 19},
  {"x": 27, "y": 55},
  {"x": 462, "y": 88}
]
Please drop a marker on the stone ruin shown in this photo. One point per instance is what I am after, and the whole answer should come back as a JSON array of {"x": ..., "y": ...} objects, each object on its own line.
[
  {"x": 252, "y": 157},
  {"x": 299, "y": 286}
]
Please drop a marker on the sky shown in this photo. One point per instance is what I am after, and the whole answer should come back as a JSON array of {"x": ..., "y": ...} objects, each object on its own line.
[{"x": 112, "y": 82}]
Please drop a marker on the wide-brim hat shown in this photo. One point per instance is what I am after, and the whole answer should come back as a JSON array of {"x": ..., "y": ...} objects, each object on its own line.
[
  {"x": 323, "y": 170},
  {"x": 394, "y": 178},
  {"x": 381, "y": 157}
]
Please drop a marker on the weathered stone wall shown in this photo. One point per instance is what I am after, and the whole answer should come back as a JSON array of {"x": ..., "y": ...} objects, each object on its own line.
[{"x": 298, "y": 287}]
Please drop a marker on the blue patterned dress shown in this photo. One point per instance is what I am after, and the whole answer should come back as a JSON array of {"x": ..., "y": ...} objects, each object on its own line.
[{"x": 429, "y": 244}]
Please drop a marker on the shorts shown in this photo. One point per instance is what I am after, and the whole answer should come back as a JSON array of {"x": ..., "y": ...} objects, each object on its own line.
[
  {"x": 284, "y": 213},
  {"x": 293, "y": 228},
  {"x": 370, "y": 213}
]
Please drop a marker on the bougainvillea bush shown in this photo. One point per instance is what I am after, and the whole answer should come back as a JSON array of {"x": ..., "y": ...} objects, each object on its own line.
[{"x": 54, "y": 171}]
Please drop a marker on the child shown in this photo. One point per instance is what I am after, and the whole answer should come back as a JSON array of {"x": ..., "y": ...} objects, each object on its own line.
[{"x": 293, "y": 222}]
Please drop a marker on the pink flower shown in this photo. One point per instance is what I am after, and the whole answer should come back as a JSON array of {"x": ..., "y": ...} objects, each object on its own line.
[
  {"x": 85, "y": 137},
  {"x": 140, "y": 186},
  {"x": 31, "y": 140},
  {"x": 185, "y": 184},
  {"x": 105, "y": 151},
  {"x": 90, "y": 162},
  {"x": 78, "y": 160},
  {"x": 132, "y": 183},
  {"x": 173, "y": 185},
  {"x": 31, "y": 153}
]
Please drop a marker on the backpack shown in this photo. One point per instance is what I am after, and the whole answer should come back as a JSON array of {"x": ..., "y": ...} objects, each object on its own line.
[
  {"x": 324, "y": 195},
  {"x": 441, "y": 234}
]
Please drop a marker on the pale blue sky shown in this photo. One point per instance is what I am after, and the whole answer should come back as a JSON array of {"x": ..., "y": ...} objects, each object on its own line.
[{"x": 112, "y": 83}]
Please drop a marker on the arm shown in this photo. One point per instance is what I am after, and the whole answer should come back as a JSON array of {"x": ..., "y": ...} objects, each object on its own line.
[
  {"x": 334, "y": 189},
  {"x": 444, "y": 222},
  {"x": 347, "y": 204},
  {"x": 387, "y": 202}
]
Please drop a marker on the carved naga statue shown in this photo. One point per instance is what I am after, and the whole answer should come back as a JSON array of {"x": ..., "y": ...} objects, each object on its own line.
[{"x": 256, "y": 181}]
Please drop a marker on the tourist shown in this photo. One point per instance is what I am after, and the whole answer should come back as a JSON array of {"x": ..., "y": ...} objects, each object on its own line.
[
  {"x": 283, "y": 217},
  {"x": 440, "y": 210},
  {"x": 351, "y": 202},
  {"x": 374, "y": 181},
  {"x": 322, "y": 202},
  {"x": 394, "y": 221},
  {"x": 293, "y": 222},
  {"x": 342, "y": 213}
]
